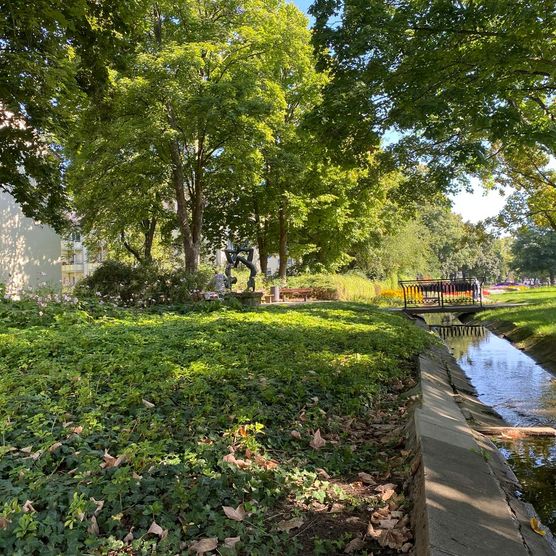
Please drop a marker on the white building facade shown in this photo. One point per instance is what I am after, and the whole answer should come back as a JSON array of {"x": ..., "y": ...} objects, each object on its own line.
[{"x": 30, "y": 253}]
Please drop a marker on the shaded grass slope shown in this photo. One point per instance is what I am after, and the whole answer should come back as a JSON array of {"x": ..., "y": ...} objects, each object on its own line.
[{"x": 115, "y": 424}]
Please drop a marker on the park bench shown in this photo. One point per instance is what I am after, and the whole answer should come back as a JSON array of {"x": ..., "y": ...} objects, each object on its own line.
[{"x": 296, "y": 293}]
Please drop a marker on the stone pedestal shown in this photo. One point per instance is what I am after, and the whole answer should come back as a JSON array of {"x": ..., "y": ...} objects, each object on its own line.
[{"x": 249, "y": 299}]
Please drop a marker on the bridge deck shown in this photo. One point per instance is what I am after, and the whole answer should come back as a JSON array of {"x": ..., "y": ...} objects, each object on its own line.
[{"x": 458, "y": 308}]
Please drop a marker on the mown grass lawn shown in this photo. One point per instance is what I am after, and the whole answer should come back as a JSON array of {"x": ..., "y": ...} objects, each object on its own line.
[
  {"x": 536, "y": 318},
  {"x": 112, "y": 427},
  {"x": 532, "y": 326}
]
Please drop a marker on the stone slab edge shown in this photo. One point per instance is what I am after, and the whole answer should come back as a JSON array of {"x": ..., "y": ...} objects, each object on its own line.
[{"x": 463, "y": 488}]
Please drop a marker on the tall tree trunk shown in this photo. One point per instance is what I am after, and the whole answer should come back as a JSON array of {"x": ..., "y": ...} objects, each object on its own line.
[
  {"x": 263, "y": 253},
  {"x": 552, "y": 278},
  {"x": 261, "y": 238},
  {"x": 149, "y": 228},
  {"x": 178, "y": 181},
  {"x": 283, "y": 241}
]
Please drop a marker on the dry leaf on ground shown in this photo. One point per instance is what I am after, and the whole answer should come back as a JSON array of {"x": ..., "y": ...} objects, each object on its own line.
[
  {"x": 322, "y": 473},
  {"x": 99, "y": 505},
  {"x": 265, "y": 463},
  {"x": 237, "y": 514},
  {"x": 230, "y": 542},
  {"x": 536, "y": 526},
  {"x": 230, "y": 458},
  {"x": 204, "y": 545},
  {"x": 54, "y": 447},
  {"x": 318, "y": 441},
  {"x": 148, "y": 404},
  {"x": 355, "y": 544},
  {"x": 394, "y": 538},
  {"x": 296, "y": 434},
  {"x": 93, "y": 527},
  {"x": 111, "y": 461},
  {"x": 289, "y": 524},
  {"x": 387, "y": 523},
  {"x": 366, "y": 478},
  {"x": 28, "y": 506},
  {"x": 129, "y": 537},
  {"x": 156, "y": 529}
]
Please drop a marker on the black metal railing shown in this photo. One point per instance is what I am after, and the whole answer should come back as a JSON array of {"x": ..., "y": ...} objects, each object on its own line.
[{"x": 441, "y": 293}]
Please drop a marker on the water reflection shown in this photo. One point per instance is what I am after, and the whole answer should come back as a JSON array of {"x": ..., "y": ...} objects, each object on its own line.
[
  {"x": 524, "y": 394},
  {"x": 534, "y": 463}
]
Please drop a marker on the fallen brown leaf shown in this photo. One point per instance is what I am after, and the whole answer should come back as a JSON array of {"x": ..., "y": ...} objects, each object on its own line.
[
  {"x": 296, "y": 434},
  {"x": 237, "y": 514},
  {"x": 393, "y": 538},
  {"x": 322, "y": 473},
  {"x": 230, "y": 458},
  {"x": 204, "y": 545},
  {"x": 289, "y": 524},
  {"x": 387, "y": 523},
  {"x": 99, "y": 505},
  {"x": 93, "y": 527},
  {"x": 28, "y": 507},
  {"x": 230, "y": 542},
  {"x": 129, "y": 537},
  {"x": 366, "y": 478},
  {"x": 148, "y": 404},
  {"x": 355, "y": 544},
  {"x": 318, "y": 441},
  {"x": 157, "y": 530}
]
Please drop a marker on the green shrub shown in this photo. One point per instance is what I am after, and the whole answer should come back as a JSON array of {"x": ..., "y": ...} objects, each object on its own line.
[{"x": 142, "y": 286}]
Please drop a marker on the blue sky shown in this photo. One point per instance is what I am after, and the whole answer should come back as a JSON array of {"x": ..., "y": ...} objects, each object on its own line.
[{"x": 473, "y": 207}]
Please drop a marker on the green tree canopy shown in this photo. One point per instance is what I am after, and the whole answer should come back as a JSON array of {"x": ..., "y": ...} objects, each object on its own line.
[
  {"x": 455, "y": 79},
  {"x": 205, "y": 80},
  {"x": 50, "y": 50},
  {"x": 534, "y": 251}
]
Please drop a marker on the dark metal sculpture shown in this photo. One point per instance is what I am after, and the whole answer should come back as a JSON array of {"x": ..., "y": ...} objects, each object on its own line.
[{"x": 234, "y": 257}]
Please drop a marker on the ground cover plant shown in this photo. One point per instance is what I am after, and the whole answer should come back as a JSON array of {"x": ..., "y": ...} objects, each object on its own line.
[
  {"x": 270, "y": 431},
  {"x": 531, "y": 325}
]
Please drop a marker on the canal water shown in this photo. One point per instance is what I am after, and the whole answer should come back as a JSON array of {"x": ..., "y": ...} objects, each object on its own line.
[{"x": 523, "y": 393}]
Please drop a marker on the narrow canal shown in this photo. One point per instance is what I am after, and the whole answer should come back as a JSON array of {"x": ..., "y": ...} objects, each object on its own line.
[{"x": 523, "y": 393}]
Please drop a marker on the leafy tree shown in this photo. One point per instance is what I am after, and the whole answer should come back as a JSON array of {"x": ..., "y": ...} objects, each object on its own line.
[
  {"x": 434, "y": 243},
  {"x": 529, "y": 172},
  {"x": 452, "y": 78},
  {"x": 534, "y": 251},
  {"x": 200, "y": 82},
  {"x": 49, "y": 51}
]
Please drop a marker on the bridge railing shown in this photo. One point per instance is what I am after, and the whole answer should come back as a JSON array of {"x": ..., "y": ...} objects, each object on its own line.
[{"x": 441, "y": 293}]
